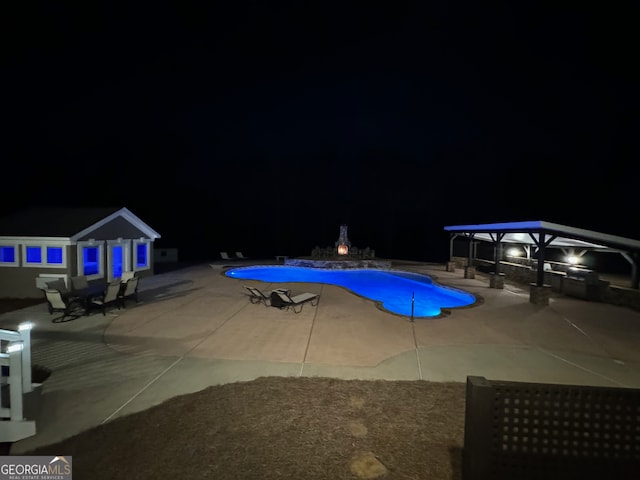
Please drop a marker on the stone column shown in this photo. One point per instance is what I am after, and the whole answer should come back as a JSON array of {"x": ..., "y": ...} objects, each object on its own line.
[
  {"x": 496, "y": 280},
  {"x": 469, "y": 272},
  {"x": 539, "y": 295},
  {"x": 451, "y": 266}
]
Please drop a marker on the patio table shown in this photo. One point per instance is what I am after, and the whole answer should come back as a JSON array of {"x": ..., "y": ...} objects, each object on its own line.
[{"x": 88, "y": 293}]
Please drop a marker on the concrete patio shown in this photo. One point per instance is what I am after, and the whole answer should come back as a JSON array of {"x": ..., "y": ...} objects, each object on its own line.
[{"x": 194, "y": 328}]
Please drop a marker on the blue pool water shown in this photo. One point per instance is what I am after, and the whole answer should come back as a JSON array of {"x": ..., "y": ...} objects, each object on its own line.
[{"x": 393, "y": 289}]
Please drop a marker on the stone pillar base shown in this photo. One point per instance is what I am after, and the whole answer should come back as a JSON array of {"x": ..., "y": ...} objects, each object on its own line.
[
  {"x": 469, "y": 272},
  {"x": 496, "y": 280},
  {"x": 451, "y": 266},
  {"x": 539, "y": 295}
]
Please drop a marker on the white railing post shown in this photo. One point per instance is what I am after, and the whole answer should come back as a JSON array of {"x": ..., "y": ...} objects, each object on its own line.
[
  {"x": 25, "y": 332},
  {"x": 15, "y": 379}
]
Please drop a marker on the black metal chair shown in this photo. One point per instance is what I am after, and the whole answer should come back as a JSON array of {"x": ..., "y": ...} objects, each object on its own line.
[{"x": 128, "y": 289}]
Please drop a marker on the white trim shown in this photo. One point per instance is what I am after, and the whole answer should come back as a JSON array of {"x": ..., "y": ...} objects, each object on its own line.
[
  {"x": 47, "y": 240},
  {"x": 126, "y": 256},
  {"x": 43, "y": 255},
  {"x": 16, "y": 255},
  {"x": 101, "y": 258},
  {"x": 127, "y": 215},
  {"x": 523, "y": 238},
  {"x": 134, "y": 251},
  {"x": 519, "y": 232}
]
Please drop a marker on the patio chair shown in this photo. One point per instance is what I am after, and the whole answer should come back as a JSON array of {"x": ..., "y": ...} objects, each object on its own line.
[
  {"x": 79, "y": 283},
  {"x": 128, "y": 289},
  {"x": 240, "y": 256},
  {"x": 284, "y": 301},
  {"x": 61, "y": 286},
  {"x": 126, "y": 276},
  {"x": 224, "y": 256},
  {"x": 56, "y": 302},
  {"x": 110, "y": 297}
]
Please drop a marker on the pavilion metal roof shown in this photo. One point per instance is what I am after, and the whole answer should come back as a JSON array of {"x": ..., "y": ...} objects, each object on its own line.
[{"x": 563, "y": 236}]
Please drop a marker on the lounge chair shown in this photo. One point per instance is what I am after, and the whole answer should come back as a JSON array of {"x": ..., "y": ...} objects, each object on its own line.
[
  {"x": 258, "y": 296},
  {"x": 283, "y": 300},
  {"x": 224, "y": 256},
  {"x": 240, "y": 256}
]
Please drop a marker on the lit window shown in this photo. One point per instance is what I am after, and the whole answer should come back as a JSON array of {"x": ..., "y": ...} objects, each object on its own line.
[
  {"x": 34, "y": 254},
  {"x": 42, "y": 256},
  {"x": 54, "y": 255},
  {"x": 141, "y": 255},
  {"x": 7, "y": 254},
  {"x": 117, "y": 261},
  {"x": 90, "y": 261}
]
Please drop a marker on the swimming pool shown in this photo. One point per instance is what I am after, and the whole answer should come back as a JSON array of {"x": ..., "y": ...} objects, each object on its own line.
[{"x": 393, "y": 289}]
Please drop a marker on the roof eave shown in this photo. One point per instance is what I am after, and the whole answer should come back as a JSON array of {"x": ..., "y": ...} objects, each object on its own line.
[{"x": 127, "y": 215}]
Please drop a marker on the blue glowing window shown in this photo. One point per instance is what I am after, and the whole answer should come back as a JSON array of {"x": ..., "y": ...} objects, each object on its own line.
[
  {"x": 116, "y": 263},
  {"x": 7, "y": 254},
  {"x": 34, "y": 255},
  {"x": 54, "y": 255},
  {"x": 90, "y": 260},
  {"x": 141, "y": 255}
]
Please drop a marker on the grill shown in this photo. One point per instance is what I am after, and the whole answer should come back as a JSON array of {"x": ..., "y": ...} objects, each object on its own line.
[
  {"x": 583, "y": 283},
  {"x": 583, "y": 275}
]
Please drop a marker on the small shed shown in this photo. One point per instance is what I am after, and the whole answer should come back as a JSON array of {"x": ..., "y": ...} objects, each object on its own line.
[{"x": 41, "y": 244}]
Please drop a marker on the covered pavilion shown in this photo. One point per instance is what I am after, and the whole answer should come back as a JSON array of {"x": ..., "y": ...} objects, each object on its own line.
[{"x": 542, "y": 235}]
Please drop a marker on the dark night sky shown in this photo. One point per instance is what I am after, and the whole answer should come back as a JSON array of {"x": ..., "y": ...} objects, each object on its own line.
[{"x": 262, "y": 127}]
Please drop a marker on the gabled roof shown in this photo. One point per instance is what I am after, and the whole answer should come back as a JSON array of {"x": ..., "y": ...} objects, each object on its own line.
[
  {"x": 529, "y": 233},
  {"x": 65, "y": 222}
]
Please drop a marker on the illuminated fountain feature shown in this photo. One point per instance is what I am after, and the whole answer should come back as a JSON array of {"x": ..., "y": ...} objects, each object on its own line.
[{"x": 341, "y": 256}]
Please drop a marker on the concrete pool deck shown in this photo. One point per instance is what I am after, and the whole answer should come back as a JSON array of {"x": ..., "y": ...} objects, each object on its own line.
[{"x": 194, "y": 328}]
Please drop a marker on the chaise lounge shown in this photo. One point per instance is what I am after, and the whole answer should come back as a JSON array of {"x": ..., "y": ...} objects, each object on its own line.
[
  {"x": 284, "y": 301},
  {"x": 257, "y": 296}
]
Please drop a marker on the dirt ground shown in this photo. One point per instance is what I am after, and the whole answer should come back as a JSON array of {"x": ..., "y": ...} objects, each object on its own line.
[{"x": 282, "y": 428}]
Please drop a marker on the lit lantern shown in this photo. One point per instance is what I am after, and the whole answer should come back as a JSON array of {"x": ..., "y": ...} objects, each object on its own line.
[{"x": 343, "y": 249}]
